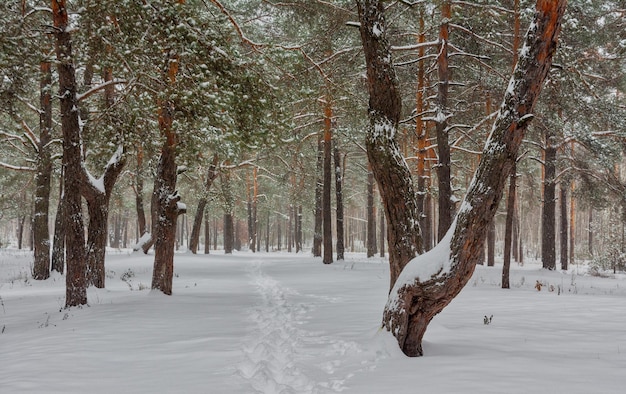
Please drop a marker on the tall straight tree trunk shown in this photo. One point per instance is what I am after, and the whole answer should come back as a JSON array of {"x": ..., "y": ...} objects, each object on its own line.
[
  {"x": 508, "y": 230},
  {"x": 21, "y": 219},
  {"x": 165, "y": 197},
  {"x": 339, "y": 199},
  {"x": 76, "y": 278},
  {"x": 491, "y": 244},
  {"x": 229, "y": 233},
  {"x": 298, "y": 235},
  {"x": 548, "y": 217},
  {"x": 446, "y": 207},
  {"x": 207, "y": 234},
  {"x": 371, "y": 217},
  {"x": 590, "y": 232},
  {"x": 58, "y": 244},
  {"x": 290, "y": 231},
  {"x": 389, "y": 168},
  {"x": 141, "y": 214},
  {"x": 255, "y": 228},
  {"x": 564, "y": 241},
  {"x": 319, "y": 186},
  {"x": 382, "y": 233},
  {"x": 41, "y": 233},
  {"x": 433, "y": 279},
  {"x": 421, "y": 131},
  {"x": 572, "y": 223},
  {"x": 327, "y": 225},
  {"x": 197, "y": 222}
]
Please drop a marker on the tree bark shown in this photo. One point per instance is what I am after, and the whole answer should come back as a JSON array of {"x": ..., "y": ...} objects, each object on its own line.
[
  {"x": 319, "y": 185},
  {"x": 444, "y": 177},
  {"x": 58, "y": 245},
  {"x": 371, "y": 217},
  {"x": 432, "y": 280},
  {"x": 564, "y": 241},
  {"x": 389, "y": 168},
  {"x": 548, "y": 217},
  {"x": 76, "y": 283},
  {"x": 491, "y": 244},
  {"x": 141, "y": 214},
  {"x": 41, "y": 233},
  {"x": 339, "y": 199},
  {"x": 197, "y": 222},
  {"x": 508, "y": 230},
  {"x": 327, "y": 225}
]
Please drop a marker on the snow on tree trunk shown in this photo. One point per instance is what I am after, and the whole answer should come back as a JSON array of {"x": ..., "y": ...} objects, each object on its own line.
[
  {"x": 429, "y": 282},
  {"x": 41, "y": 233},
  {"x": 76, "y": 280},
  {"x": 389, "y": 167}
]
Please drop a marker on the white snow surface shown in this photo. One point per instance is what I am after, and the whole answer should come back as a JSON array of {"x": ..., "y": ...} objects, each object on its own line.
[{"x": 286, "y": 323}]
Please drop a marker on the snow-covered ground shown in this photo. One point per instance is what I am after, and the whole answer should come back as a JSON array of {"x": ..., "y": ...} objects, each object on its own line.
[{"x": 285, "y": 323}]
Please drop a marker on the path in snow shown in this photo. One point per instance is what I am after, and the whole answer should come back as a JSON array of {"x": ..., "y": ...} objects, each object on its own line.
[{"x": 272, "y": 352}]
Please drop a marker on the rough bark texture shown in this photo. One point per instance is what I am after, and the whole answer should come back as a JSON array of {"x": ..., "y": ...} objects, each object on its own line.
[
  {"x": 327, "y": 225},
  {"x": 508, "y": 230},
  {"x": 564, "y": 242},
  {"x": 58, "y": 244},
  {"x": 229, "y": 233},
  {"x": 390, "y": 170},
  {"x": 444, "y": 177},
  {"x": 319, "y": 185},
  {"x": 76, "y": 281},
  {"x": 339, "y": 199},
  {"x": 491, "y": 244},
  {"x": 371, "y": 217},
  {"x": 165, "y": 197},
  {"x": 197, "y": 222},
  {"x": 41, "y": 233},
  {"x": 141, "y": 214},
  {"x": 548, "y": 217},
  {"x": 414, "y": 301}
]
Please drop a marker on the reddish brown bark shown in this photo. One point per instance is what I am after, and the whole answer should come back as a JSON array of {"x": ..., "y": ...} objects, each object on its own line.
[
  {"x": 415, "y": 301},
  {"x": 390, "y": 170},
  {"x": 76, "y": 283}
]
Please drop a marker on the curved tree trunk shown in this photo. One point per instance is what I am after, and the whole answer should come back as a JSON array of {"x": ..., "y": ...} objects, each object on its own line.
[
  {"x": 433, "y": 279},
  {"x": 390, "y": 170}
]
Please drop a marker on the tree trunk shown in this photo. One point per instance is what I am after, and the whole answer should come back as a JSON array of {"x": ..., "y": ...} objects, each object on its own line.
[
  {"x": 21, "y": 219},
  {"x": 207, "y": 235},
  {"x": 41, "y": 233},
  {"x": 433, "y": 279},
  {"x": 319, "y": 185},
  {"x": 508, "y": 231},
  {"x": 141, "y": 214},
  {"x": 298, "y": 220},
  {"x": 229, "y": 233},
  {"x": 371, "y": 217},
  {"x": 388, "y": 165},
  {"x": 197, "y": 222},
  {"x": 339, "y": 199},
  {"x": 446, "y": 207},
  {"x": 564, "y": 241},
  {"x": 76, "y": 283},
  {"x": 327, "y": 225},
  {"x": 58, "y": 245},
  {"x": 590, "y": 232},
  {"x": 548, "y": 217},
  {"x": 572, "y": 223},
  {"x": 491, "y": 244},
  {"x": 382, "y": 234}
]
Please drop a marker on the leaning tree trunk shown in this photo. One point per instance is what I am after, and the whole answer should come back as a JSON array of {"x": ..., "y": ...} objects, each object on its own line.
[
  {"x": 197, "y": 222},
  {"x": 41, "y": 233},
  {"x": 433, "y": 279},
  {"x": 76, "y": 282},
  {"x": 390, "y": 170}
]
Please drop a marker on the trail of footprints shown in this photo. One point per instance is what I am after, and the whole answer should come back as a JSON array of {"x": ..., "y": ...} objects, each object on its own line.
[{"x": 271, "y": 354}]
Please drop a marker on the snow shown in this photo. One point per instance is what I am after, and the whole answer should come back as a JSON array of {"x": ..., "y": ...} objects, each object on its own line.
[{"x": 278, "y": 322}]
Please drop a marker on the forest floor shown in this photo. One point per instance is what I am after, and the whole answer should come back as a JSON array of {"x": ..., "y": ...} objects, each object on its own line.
[{"x": 286, "y": 323}]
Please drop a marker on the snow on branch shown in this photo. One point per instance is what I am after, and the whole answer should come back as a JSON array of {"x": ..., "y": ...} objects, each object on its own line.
[
  {"x": 16, "y": 168},
  {"x": 95, "y": 89},
  {"x": 415, "y": 46}
]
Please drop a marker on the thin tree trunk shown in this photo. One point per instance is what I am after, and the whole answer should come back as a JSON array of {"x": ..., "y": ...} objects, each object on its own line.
[
  {"x": 548, "y": 217},
  {"x": 339, "y": 199},
  {"x": 21, "y": 219},
  {"x": 590, "y": 232},
  {"x": 371, "y": 217},
  {"x": 491, "y": 244},
  {"x": 421, "y": 293},
  {"x": 207, "y": 234},
  {"x": 76, "y": 278},
  {"x": 319, "y": 186},
  {"x": 327, "y": 235},
  {"x": 421, "y": 131},
  {"x": 141, "y": 214},
  {"x": 572, "y": 223},
  {"x": 564, "y": 241},
  {"x": 58, "y": 245},
  {"x": 508, "y": 231},
  {"x": 382, "y": 233}
]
